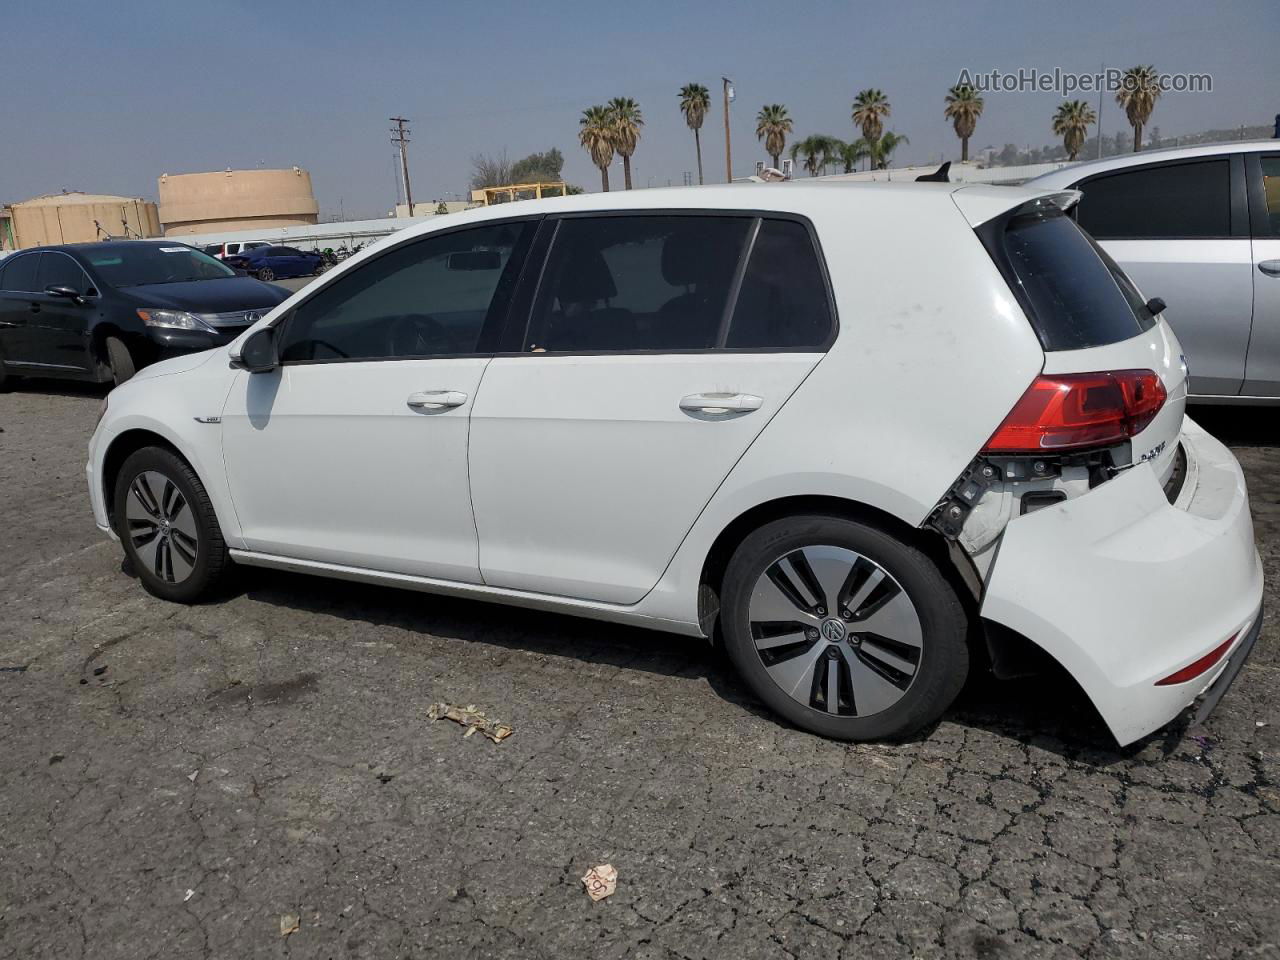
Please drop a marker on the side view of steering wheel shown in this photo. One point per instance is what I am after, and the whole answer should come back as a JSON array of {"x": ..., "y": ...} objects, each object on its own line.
[{"x": 413, "y": 335}]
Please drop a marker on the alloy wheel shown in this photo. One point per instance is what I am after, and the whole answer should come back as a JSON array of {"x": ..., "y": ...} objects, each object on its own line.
[
  {"x": 162, "y": 527},
  {"x": 835, "y": 631}
]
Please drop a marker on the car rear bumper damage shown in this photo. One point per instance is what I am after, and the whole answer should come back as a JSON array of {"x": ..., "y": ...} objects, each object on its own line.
[{"x": 1147, "y": 604}]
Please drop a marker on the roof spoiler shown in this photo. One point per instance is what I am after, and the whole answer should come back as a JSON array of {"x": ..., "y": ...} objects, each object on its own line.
[{"x": 941, "y": 175}]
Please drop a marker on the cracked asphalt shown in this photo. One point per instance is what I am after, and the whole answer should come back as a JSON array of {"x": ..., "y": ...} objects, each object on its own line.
[{"x": 174, "y": 780}]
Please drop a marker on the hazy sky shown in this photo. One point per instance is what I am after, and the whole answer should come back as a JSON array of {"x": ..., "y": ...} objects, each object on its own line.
[{"x": 104, "y": 97}]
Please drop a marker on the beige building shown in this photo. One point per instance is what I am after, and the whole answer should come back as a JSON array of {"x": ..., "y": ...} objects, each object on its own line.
[
  {"x": 192, "y": 203},
  {"x": 78, "y": 218}
]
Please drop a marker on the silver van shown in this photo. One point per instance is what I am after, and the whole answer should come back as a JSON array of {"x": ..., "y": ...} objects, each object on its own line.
[{"x": 1198, "y": 227}]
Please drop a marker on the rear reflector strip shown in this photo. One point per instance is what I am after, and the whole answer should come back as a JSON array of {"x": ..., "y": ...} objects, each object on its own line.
[{"x": 1193, "y": 670}]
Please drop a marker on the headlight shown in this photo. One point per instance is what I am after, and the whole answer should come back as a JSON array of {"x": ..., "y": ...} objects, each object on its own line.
[{"x": 174, "y": 320}]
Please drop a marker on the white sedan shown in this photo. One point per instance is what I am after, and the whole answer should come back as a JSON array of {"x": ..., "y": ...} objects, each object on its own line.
[{"x": 867, "y": 434}]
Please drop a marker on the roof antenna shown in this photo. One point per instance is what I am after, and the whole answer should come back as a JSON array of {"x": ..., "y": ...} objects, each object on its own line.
[{"x": 938, "y": 176}]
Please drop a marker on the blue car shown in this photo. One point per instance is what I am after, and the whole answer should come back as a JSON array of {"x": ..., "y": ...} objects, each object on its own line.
[{"x": 276, "y": 263}]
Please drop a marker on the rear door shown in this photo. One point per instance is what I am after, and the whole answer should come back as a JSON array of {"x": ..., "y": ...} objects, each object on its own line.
[
  {"x": 1179, "y": 230},
  {"x": 657, "y": 349},
  {"x": 1262, "y": 370},
  {"x": 20, "y": 306}
]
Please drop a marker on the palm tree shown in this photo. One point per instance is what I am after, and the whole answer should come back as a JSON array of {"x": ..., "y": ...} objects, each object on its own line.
[
  {"x": 818, "y": 150},
  {"x": 627, "y": 122},
  {"x": 852, "y": 153},
  {"x": 596, "y": 133},
  {"x": 1139, "y": 89},
  {"x": 695, "y": 101},
  {"x": 884, "y": 147},
  {"x": 772, "y": 126},
  {"x": 1071, "y": 122},
  {"x": 870, "y": 107},
  {"x": 964, "y": 107}
]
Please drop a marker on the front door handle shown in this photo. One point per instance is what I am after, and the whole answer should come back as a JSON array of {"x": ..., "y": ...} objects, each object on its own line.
[
  {"x": 720, "y": 403},
  {"x": 1270, "y": 267},
  {"x": 436, "y": 399}
]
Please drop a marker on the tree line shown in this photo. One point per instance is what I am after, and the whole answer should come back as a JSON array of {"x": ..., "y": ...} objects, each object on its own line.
[{"x": 614, "y": 128}]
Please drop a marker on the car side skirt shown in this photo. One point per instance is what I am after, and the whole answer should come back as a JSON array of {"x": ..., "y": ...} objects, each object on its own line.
[{"x": 590, "y": 609}]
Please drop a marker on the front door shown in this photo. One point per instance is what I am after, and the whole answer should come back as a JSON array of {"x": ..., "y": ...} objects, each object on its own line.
[
  {"x": 1178, "y": 232},
  {"x": 657, "y": 349},
  {"x": 60, "y": 331},
  {"x": 1262, "y": 372},
  {"x": 353, "y": 451}
]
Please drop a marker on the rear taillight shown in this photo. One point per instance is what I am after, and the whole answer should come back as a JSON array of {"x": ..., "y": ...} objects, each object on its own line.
[
  {"x": 1067, "y": 411},
  {"x": 1203, "y": 665}
]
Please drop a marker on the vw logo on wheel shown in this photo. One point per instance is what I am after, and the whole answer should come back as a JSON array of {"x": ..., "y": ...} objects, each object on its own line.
[{"x": 833, "y": 630}]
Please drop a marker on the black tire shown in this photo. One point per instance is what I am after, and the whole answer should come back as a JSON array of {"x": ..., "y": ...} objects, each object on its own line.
[
  {"x": 266, "y": 275},
  {"x": 212, "y": 564},
  {"x": 119, "y": 360},
  {"x": 942, "y": 663}
]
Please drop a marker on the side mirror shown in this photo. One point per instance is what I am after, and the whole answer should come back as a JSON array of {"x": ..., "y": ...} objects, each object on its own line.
[
  {"x": 69, "y": 293},
  {"x": 1156, "y": 306},
  {"x": 258, "y": 352}
]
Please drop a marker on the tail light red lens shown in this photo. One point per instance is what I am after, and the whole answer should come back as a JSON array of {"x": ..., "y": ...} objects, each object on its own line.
[
  {"x": 1203, "y": 665},
  {"x": 1067, "y": 411}
]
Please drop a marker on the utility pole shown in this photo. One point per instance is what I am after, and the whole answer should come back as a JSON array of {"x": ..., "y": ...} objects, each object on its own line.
[
  {"x": 728, "y": 151},
  {"x": 400, "y": 137}
]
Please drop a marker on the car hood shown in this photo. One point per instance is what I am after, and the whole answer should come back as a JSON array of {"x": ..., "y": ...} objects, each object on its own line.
[
  {"x": 179, "y": 364},
  {"x": 209, "y": 296}
]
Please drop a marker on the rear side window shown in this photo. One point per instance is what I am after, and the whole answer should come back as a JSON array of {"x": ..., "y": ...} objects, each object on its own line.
[
  {"x": 783, "y": 303},
  {"x": 640, "y": 283},
  {"x": 1074, "y": 295},
  {"x": 1171, "y": 201},
  {"x": 19, "y": 273}
]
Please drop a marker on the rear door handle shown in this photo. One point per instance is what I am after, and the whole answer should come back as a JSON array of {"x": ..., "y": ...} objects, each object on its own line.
[
  {"x": 1270, "y": 267},
  {"x": 35, "y": 307},
  {"x": 720, "y": 403},
  {"x": 436, "y": 399}
]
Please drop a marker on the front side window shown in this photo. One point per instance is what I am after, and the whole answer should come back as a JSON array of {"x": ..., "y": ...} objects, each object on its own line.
[
  {"x": 19, "y": 273},
  {"x": 428, "y": 297},
  {"x": 1271, "y": 193},
  {"x": 637, "y": 283},
  {"x": 1170, "y": 201},
  {"x": 137, "y": 264},
  {"x": 59, "y": 270}
]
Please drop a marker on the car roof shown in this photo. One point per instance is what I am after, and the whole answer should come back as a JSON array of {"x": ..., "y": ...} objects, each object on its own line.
[
  {"x": 1074, "y": 172},
  {"x": 104, "y": 245},
  {"x": 803, "y": 197}
]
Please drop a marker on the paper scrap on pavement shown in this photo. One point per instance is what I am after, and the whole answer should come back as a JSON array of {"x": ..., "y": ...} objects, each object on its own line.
[
  {"x": 601, "y": 881},
  {"x": 288, "y": 924},
  {"x": 471, "y": 718}
]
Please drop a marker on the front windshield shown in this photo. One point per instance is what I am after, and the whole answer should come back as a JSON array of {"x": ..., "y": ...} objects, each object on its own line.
[{"x": 138, "y": 264}]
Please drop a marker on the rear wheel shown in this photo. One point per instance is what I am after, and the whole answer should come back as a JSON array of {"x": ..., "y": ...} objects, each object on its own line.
[
  {"x": 844, "y": 629},
  {"x": 120, "y": 360},
  {"x": 267, "y": 274},
  {"x": 168, "y": 528}
]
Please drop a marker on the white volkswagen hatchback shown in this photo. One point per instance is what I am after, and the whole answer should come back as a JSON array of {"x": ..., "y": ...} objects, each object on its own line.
[{"x": 868, "y": 434}]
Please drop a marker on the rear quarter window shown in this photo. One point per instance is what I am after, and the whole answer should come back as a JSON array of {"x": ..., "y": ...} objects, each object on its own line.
[{"x": 1073, "y": 293}]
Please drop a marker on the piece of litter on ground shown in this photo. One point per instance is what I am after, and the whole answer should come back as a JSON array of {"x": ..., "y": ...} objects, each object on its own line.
[
  {"x": 288, "y": 924},
  {"x": 192, "y": 775},
  {"x": 600, "y": 881},
  {"x": 188, "y": 896},
  {"x": 1259, "y": 723},
  {"x": 471, "y": 718}
]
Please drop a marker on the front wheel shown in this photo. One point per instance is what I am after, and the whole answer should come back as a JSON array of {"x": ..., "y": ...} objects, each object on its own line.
[
  {"x": 120, "y": 360},
  {"x": 168, "y": 528},
  {"x": 266, "y": 274},
  {"x": 843, "y": 629}
]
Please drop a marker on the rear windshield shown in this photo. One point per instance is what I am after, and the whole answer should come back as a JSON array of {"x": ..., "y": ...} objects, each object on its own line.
[
  {"x": 1073, "y": 293},
  {"x": 143, "y": 263}
]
